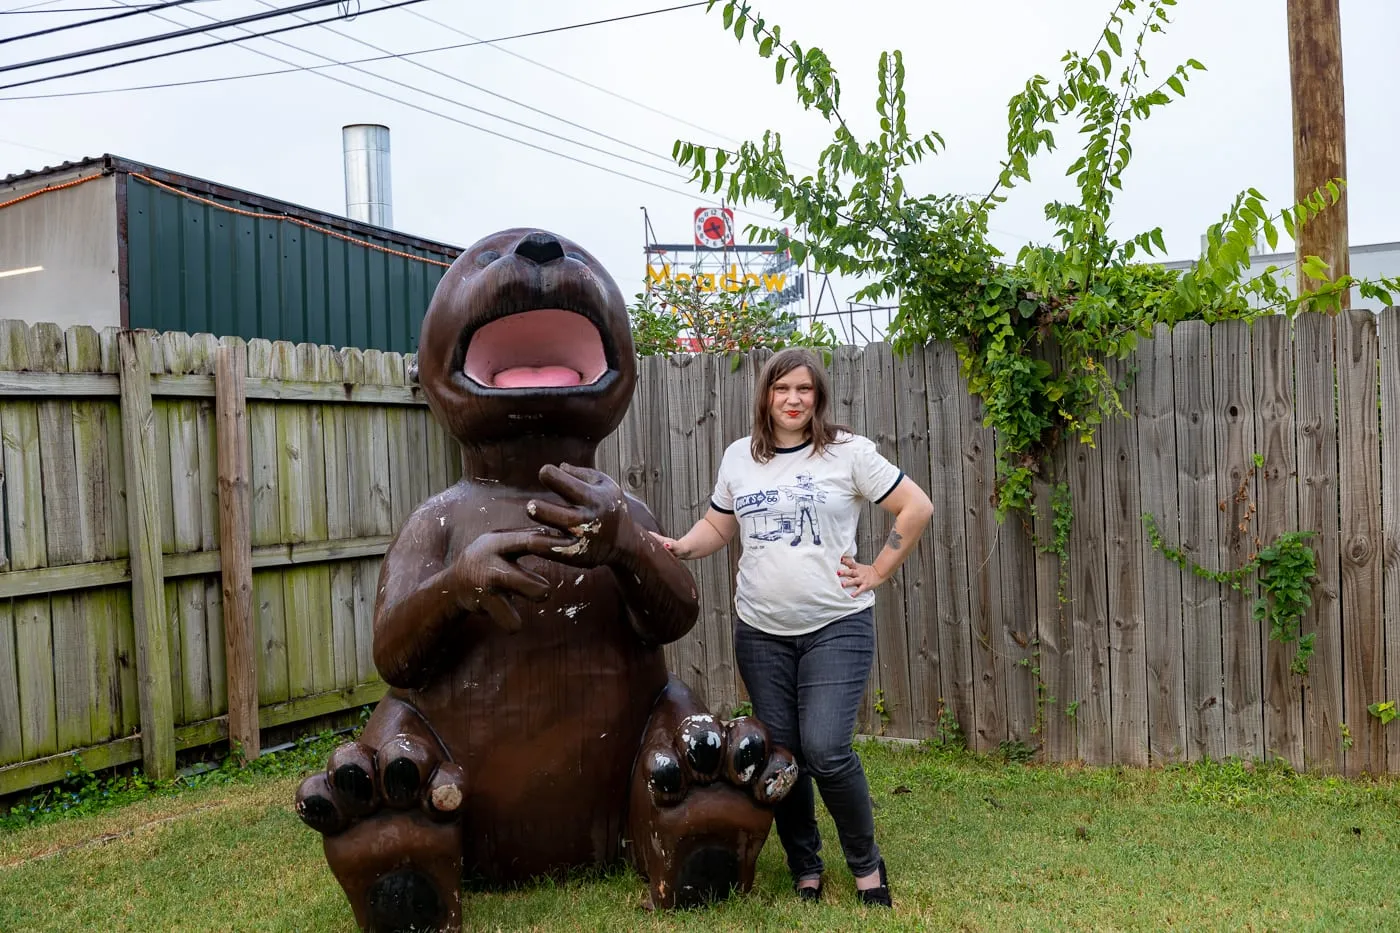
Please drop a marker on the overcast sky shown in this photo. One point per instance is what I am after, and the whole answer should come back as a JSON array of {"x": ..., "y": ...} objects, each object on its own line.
[{"x": 280, "y": 135}]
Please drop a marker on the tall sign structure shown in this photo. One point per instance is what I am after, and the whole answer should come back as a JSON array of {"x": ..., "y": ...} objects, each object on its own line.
[{"x": 715, "y": 262}]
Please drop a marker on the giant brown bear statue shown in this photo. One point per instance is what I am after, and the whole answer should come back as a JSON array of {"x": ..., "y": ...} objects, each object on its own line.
[{"x": 531, "y": 726}]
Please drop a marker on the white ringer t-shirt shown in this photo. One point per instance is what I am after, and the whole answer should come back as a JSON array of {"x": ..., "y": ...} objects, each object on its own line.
[{"x": 797, "y": 517}]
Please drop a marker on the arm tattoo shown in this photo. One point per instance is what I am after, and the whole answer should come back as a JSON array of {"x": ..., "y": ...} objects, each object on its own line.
[{"x": 895, "y": 539}]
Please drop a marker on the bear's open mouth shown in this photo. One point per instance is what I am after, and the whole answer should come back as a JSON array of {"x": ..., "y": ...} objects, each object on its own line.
[{"x": 543, "y": 348}]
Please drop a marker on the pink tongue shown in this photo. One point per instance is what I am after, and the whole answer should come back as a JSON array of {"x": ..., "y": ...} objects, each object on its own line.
[{"x": 519, "y": 377}]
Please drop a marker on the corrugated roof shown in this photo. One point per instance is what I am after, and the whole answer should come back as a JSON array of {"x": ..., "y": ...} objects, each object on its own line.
[{"x": 109, "y": 163}]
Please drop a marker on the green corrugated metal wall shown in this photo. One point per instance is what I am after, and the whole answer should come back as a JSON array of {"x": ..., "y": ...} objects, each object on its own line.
[{"x": 199, "y": 269}]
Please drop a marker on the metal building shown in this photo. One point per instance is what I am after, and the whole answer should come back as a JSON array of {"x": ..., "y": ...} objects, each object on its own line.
[{"x": 107, "y": 241}]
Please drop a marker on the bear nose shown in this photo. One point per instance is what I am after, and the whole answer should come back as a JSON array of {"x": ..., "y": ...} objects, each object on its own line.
[{"x": 539, "y": 248}]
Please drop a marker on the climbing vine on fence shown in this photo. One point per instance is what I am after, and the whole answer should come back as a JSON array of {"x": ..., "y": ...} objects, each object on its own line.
[{"x": 1285, "y": 568}]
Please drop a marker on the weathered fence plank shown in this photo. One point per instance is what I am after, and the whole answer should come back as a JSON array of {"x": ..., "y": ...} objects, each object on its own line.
[
  {"x": 71, "y": 645},
  {"x": 331, "y": 367},
  {"x": 319, "y": 606},
  {"x": 1314, "y": 369},
  {"x": 1278, "y": 513},
  {"x": 1237, "y": 501},
  {"x": 396, "y": 420},
  {"x": 293, "y": 489},
  {"x": 360, "y": 508},
  {"x": 1390, "y": 514},
  {"x": 917, "y": 591},
  {"x": 206, "y": 347},
  {"x": 11, "y": 738},
  {"x": 1200, "y": 540},
  {"x": 235, "y": 549},
  {"x": 895, "y": 713},
  {"x": 160, "y": 410},
  {"x": 1156, "y": 430},
  {"x": 147, "y": 592},
  {"x": 33, "y": 691},
  {"x": 947, "y": 534},
  {"x": 1123, "y": 535},
  {"x": 124, "y": 619},
  {"x": 983, "y": 576},
  {"x": 269, "y": 607},
  {"x": 1359, "y": 491},
  {"x": 1088, "y": 608},
  {"x": 189, "y": 630}
]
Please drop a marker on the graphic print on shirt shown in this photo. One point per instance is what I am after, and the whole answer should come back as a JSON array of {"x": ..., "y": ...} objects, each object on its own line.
[{"x": 775, "y": 514}]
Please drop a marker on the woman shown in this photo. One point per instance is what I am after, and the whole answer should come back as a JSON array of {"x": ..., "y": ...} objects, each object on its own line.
[{"x": 805, "y": 638}]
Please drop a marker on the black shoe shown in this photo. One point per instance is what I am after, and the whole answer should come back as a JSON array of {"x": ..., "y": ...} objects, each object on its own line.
[
  {"x": 878, "y": 896},
  {"x": 809, "y": 895}
]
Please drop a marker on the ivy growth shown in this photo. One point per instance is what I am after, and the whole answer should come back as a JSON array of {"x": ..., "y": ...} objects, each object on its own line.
[
  {"x": 1034, "y": 333},
  {"x": 1286, "y": 569}
]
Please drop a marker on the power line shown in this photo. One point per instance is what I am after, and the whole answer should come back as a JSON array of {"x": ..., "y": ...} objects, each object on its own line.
[
  {"x": 135, "y": 11},
  {"x": 296, "y": 68},
  {"x": 178, "y": 34},
  {"x": 21, "y": 11},
  {"x": 456, "y": 103},
  {"x": 197, "y": 48},
  {"x": 504, "y": 97},
  {"x": 578, "y": 80},
  {"x": 589, "y": 84},
  {"x": 31, "y": 6},
  {"x": 482, "y": 129}
]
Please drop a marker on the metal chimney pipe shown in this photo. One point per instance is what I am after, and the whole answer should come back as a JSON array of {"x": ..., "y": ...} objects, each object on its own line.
[{"x": 368, "y": 195}]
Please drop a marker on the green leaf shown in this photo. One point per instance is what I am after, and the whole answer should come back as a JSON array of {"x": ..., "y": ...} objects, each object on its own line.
[
  {"x": 728, "y": 15},
  {"x": 765, "y": 48},
  {"x": 1175, "y": 84},
  {"x": 1113, "y": 42},
  {"x": 1314, "y": 268},
  {"x": 1271, "y": 234},
  {"x": 1158, "y": 241},
  {"x": 780, "y": 68}
]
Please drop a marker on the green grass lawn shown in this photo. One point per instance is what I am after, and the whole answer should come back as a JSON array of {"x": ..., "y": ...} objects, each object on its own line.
[{"x": 972, "y": 844}]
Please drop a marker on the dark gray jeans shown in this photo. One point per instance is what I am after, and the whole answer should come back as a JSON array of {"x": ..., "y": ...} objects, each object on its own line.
[{"x": 807, "y": 690}]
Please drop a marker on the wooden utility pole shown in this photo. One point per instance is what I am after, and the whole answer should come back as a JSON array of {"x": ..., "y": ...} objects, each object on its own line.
[{"x": 1319, "y": 129}]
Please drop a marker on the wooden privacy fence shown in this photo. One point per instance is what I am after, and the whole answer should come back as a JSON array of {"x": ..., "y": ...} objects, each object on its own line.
[
  {"x": 112, "y": 636},
  {"x": 112, "y": 612},
  {"x": 1142, "y": 663}
]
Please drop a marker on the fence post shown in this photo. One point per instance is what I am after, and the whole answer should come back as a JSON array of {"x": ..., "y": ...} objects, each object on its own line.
[
  {"x": 235, "y": 545},
  {"x": 147, "y": 562}
]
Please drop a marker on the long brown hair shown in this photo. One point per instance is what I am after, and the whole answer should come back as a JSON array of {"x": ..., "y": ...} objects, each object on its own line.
[{"x": 820, "y": 429}]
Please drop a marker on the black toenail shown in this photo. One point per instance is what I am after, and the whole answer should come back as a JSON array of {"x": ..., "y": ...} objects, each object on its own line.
[
  {"x": 318, "y": 813},
  {"x": 704, "y": 747},
  {"x": 401, "y": 781},
  {"x": 749, "y": 757},
  {"x": 666, "y": 776},
  {"x": 354, "y": 782}
]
